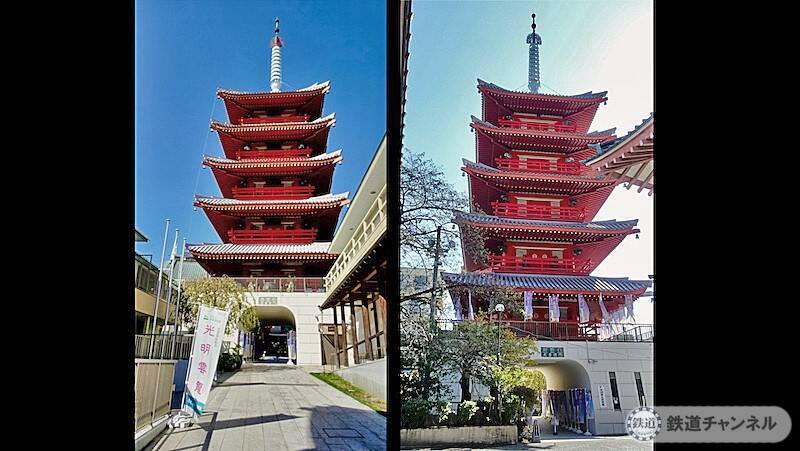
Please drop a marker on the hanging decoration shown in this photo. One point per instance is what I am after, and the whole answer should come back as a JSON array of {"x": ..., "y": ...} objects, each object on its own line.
[
  {"x": 629, "y": 307},
  {"x": 604, "y": 329},
  {"x": 589, "y": 405},
  {"x": 470, "y": 312},
  {"x": 583, "y": 309},
  {"x": 528, "y": 296},
  {"x": 553, "y": 304},
  {"x": 459, "y": 311}
]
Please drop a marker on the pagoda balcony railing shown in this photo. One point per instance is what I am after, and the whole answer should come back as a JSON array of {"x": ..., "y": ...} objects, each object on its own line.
[
  {"x": 537, "y": 265},
  {"x": 537, "y": 126},
  {"x": 573, "y": 331},
  {"x": 517, "y": 164},
  {"x": 273, "y": 192},
  {"x": 274, "y": 119},
  {"x": 274, "y": 153},
  {"x": 533, "y": 211},
  {"x": 295, "y": 236},
  {"x": 280, "y": 285}
]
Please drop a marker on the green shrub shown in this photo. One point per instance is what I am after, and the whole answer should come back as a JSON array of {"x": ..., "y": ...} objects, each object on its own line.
[{"x": 414, "y": 413}]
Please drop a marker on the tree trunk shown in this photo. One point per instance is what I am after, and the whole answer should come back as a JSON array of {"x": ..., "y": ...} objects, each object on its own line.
[{"x": 466, "y": 394}]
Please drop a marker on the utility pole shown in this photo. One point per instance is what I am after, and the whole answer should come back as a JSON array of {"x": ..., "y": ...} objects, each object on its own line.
[{"x": 435, "y": 272}]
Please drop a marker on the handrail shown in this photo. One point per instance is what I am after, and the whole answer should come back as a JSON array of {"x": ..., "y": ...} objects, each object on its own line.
[
  {"x": 560, "y": 167},
  {"x": 282, "y": 284},
  {"x": 533, "y": 211},
  {"x": 525, "y": 125},
  {"x": 273, "y": 192},
  {"x": 531, "y": 265},
  {"x": 274, "y": 153},
  {"x": 274, "y": 119},
  {"x": 574, "y": 331},
  {"x": 366, "y": 234},
  {"x": 298, "y": 236}
]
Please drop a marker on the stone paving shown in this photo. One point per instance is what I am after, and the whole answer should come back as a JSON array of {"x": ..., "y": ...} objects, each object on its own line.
[
  {"x": 589, "y": 443},
  {"x": 278, "y": 407}
]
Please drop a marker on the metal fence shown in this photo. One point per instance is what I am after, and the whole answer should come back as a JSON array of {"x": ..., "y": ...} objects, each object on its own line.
[
  {"x": 572, "y": 331},
  {"x": 153, "y": 391},
  {"x": 162, "y": 346}
]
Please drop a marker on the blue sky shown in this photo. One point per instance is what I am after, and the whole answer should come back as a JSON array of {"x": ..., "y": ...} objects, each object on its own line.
[
  {"x": 186, "y": 49},
  {"x": 586, "y": 46}
]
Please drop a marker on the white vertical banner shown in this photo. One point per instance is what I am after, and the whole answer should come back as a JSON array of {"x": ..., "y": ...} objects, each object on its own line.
[
  {"x": 205, "y": 353},
  {"x": 457, "y": 307},
  {"x": 629, "y": 307},
  {"x": 471, "y": 312},
  {"x": 583, "y": 309},
  {"x": 554, "y": 311},
  {"x": 528, "y": 297}
]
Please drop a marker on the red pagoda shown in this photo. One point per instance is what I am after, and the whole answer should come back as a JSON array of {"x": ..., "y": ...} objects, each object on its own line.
[
  {"x": 276, "y": 216},
  {"x": 534, "y": 202}
]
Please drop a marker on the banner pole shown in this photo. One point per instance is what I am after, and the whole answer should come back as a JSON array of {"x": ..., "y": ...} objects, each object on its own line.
[
  {"x": 169, "y": 287},
  {"x": 158, "y": 290},
  {"x": 178, "y": 301}
]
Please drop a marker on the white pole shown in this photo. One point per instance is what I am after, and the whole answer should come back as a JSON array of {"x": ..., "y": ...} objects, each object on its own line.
[
  {"x": 158, "y": 290},
  {"x": 169, "y": 285},
  {"x": 178, "y": 302}
]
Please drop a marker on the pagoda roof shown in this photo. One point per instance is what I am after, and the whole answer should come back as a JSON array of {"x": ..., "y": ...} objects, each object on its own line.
[
  {"x": 525, "y": 139},
  {"x": 257, "y": 205},
  {"x": 589, "y": 191},
  {"x": 611, "y": 226},
  {"x": 229, "y": 251},
  {"x": 529, "y": 180},
  {"x": 628, "y": 158},
  {"x": 580, "y": 108},
  {"x": 273, "y": 165},
  {"x": 239, "y": 103},
  {"x": 315, "y": 132},
  {"x": 551, "y": 283}
]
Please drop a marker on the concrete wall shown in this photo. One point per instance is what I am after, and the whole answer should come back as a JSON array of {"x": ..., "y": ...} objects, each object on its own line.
[
  {"x": 369, "y": 376},
  {"x": 463, "y": 436},
  {"x": 304, "y": 307}
]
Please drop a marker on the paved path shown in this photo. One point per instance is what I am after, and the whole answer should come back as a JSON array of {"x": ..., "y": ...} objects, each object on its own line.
[
  {"x": 278, "y": 407},
  {"x": 588, "y": 444}
]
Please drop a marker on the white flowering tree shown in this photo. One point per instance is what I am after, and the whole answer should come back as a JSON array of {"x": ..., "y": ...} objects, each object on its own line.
[{"x": 222, "y": 293}]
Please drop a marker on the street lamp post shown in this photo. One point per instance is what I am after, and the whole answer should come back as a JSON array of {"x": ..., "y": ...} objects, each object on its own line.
[
  {"x": 499, "y": 308},
  {"x": 435, "y": 271}
]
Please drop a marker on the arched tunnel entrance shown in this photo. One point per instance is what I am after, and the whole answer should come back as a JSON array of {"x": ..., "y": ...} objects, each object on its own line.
[
  {"x": 273, "y": 338},
  {"x": 561, "y": 376}
]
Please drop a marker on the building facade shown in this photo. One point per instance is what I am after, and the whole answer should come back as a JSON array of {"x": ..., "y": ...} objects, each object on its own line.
[
  {"x": 276, "y": 216},
  {"x": 355, "y": 341},
  {"x": 534, "y": 204}
]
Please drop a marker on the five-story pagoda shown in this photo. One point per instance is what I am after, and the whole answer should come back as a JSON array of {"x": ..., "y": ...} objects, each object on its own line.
[
  {"x": 534, "y": 203},
  {"x": 276, "y": 216}
]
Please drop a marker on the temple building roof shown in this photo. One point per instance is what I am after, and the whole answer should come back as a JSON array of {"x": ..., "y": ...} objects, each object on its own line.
[
  {"x": 628, "y": 158},
  {"x": 315, "y": 133},
  {"x": 310, "y": 99},
  {"x": 311, "y": 251},
  {"x": 291, "y": 164},
  {"x": 551, "y": 283},
  {"x": 222, "y": 203},
  {"x": 488, "y": 172},
  {"x": 609, "y": 226},
  {"x": 580, "y": 109},
  {"x": 536, "y": 140}
]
